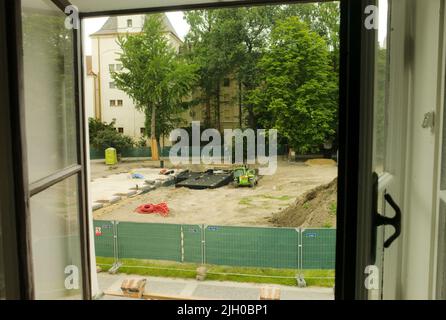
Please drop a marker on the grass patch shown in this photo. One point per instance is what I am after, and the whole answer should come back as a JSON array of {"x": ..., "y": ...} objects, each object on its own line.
[
  {"x": 333, "y": 208},
  {"x": 280, "y": 198},
  {"x": 320, "y": 278},
  {"x": 327, "y": 225},
  {"x": 246, "y": 201}
]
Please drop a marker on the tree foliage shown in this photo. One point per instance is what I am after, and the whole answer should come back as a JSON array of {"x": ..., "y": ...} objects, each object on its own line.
[
  {"x": 104, "y": 135},
  {"x": 228, "y": 43},
  {"x": 298, "y": 93},
  {"x": 235, "y": 41},
  {"x": 213, "y": 45},
  {"x": 322, "y": 18}
]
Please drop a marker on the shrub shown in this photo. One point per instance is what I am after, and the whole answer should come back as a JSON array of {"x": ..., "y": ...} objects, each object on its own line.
[{"x": 104, "y": 135}]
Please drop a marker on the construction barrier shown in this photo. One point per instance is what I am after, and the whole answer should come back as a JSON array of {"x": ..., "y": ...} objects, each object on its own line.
[
  {"x": 282, "y": 248},
  {"x": 146, "y": 152}
]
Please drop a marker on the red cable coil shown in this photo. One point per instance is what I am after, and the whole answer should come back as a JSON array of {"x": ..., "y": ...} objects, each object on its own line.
[{"x": 149, "y": 208}]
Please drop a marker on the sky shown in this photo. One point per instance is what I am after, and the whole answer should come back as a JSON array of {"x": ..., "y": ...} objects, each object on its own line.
[
  {"x": 382, "y": 22},
  {"x": 181, "y": 27},
  {"x": 92, "y": 25}
]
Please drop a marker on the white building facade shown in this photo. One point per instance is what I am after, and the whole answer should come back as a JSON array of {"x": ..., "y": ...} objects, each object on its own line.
[{"x": 107, "y": 103}]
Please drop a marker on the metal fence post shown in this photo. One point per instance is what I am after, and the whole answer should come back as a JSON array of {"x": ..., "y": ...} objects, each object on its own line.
[
  {"x": 116, "y": 264},
  {"x": 301, "y": 283},
  {"x": 203, "y": 244},
  {"x": 182, "y": 243}
]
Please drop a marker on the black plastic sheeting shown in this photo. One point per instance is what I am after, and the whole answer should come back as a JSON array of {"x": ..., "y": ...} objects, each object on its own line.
[{"x": 203, "y": 180}]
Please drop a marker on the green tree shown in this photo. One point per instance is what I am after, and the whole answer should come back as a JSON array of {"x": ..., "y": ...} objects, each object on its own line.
[
  {"x": 298, "y": 91},
  {"x": 228, "y": 42},
  {"x": 155, "y": 76},
  {"x": 322, "y": 18},
  {"x": 104, "y": 135},
  {"x": 213, "y": 44}
]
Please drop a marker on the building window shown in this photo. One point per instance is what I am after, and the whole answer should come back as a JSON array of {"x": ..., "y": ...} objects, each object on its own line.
[
  {"x": 119, "y": 103},
  {"x": 129, "y": 23},
  {"x": 121, "y": 130},
  {"x": 142, "y": 130},
  {"x": 226, "y": 82},
  {"x": 112, "y": 103},
  {"x": 112, "y": 85},
  {"x": 111, "y": 67},
  {"x": 118, "y": 67}
]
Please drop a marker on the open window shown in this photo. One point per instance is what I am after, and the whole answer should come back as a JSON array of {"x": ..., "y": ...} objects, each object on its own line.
[{"x": 390, "y": 201}]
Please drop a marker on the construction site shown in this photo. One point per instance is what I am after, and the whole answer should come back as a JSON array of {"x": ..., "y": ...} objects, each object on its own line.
[
  {"x": 116, "y": 194},
  {"x": 184, "y": 225}
]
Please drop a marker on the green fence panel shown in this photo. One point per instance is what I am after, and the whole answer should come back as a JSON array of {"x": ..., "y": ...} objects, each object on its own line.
[
  {"x": 192, "y": 247},
  {"x": 145, "y": 152},
  {"x": 103, "y": 238},
  {"x": 251, "y": 247},
  {"x": 155, "y": 241},
  {"x": 318, "y": 248}
]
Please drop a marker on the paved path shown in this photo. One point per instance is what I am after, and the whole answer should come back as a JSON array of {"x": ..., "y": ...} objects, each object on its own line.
[
  {"x": 112, "y": 188},
  {"x": 212, "y": 290}
]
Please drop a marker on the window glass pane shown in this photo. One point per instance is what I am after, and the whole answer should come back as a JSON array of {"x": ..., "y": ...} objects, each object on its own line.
[
  {"x": 56, "y": 242},
  {"x": 381, "y": 88},
  {"x": 49, "y": 89}
]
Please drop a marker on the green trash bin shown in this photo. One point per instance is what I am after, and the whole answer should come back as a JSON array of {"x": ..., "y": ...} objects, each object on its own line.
[{"x": 111, "y": 157}]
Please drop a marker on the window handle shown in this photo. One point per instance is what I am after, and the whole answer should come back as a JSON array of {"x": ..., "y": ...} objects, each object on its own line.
[
  {"x": 379, "y": 220},
  {"x": 395, "y": 222}
]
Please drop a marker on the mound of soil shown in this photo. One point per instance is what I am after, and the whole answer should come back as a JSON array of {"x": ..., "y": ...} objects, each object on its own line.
[{"x": 316, "y": 208}]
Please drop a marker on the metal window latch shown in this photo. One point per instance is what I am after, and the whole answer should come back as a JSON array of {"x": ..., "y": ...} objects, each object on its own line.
[
  {"x": 380, "y": 220},
  {"x": 395, "y": 222},
  {"x": 429, "y": 120}
]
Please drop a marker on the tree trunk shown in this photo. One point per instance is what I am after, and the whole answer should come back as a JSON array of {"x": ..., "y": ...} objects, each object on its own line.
[
  {"x": 208, "y": 112},
  {"x": 218, "y": 108},
  {"x": 240, "y": 104},
  {"x": 153, "y": 141}
]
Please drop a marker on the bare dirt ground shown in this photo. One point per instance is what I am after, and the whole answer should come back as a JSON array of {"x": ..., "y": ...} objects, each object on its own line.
[
  {"x": 315, "y": 208},
  {"x": 224, "y": 206}
]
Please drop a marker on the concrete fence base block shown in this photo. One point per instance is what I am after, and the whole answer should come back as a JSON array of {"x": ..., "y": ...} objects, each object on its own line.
[
  {"x": 126, "y": 194},
  {"x": 114, "y": 199},
  {"x": 201, "y": 273},
  {"x": 97, "y": 206},
  {"x": 301, "y": 283}
]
